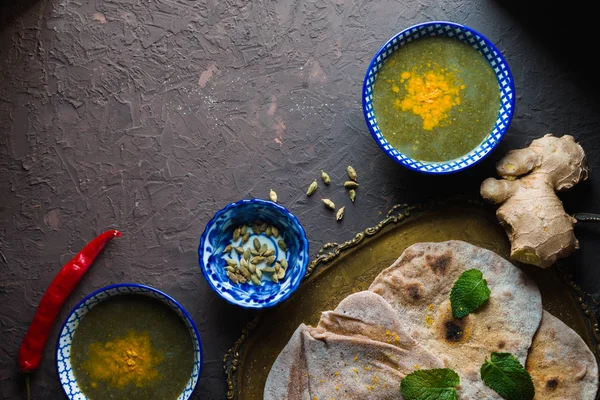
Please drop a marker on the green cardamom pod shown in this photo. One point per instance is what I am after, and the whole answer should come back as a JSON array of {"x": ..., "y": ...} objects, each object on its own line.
[
  {"x": 325, "y": 177},
  {"x": 352, "y": 194},
  {"x": 352, "y": 173},
  {"x": 350, "y": 185},
  {"x": 340, "y": 214},
  {"x": 329, "y": 204},
  {"x": 312, "y": 188}
]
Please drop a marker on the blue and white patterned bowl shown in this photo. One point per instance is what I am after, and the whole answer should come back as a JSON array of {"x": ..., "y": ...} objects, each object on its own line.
[
  {"x": 217, "y": 235},
  {"x": 487, "y": 50},
  {"x": 65, "y": 338}
]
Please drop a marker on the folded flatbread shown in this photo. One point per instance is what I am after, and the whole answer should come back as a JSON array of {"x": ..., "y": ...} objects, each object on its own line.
[
  {"x": 358, "y": 351},
  {"x": 418, "y": 287},
  {"x": 561, "y": 365}
]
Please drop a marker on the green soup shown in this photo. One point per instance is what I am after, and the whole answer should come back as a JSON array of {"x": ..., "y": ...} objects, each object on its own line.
[
  {"x": 436, "y": 99},
  {"x": 132, "y": 347}
]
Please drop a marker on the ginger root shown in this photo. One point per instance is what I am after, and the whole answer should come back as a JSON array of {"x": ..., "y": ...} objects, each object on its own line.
[{"x": 539, "y": 229}]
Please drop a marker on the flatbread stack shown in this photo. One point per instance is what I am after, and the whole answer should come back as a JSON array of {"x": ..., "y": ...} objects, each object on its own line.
[{"x": 373, "y": 339}]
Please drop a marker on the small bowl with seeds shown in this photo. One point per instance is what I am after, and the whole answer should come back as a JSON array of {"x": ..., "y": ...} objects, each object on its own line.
[{"x": 253, "y": 253}]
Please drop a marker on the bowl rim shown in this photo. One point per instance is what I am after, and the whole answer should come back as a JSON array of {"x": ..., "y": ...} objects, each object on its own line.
[
  {"x": 130, "y": 285},
  {"x": 408, "y": 165},
  {"x": 267, "y": 203}
]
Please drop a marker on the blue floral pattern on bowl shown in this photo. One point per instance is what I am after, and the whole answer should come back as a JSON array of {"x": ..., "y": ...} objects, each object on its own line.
[
  {"x": 65, "y": 339},
  {"x": 217, "y": 235},
  {"x": 487, "y": 50}
]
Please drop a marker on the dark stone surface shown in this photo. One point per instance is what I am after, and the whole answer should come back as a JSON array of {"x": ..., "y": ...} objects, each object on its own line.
[{"x": 149, "y": 116}]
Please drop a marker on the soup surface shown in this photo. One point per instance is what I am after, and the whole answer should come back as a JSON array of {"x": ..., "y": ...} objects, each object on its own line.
[
  {"x": 132, "y": 347},
  {"x": 436, "y": 99}
]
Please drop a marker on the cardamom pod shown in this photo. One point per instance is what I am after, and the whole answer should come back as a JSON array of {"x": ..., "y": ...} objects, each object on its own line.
[
  {"x": 270, "y": 260},
  {"x": 254, "y": 252},
  {"x": 350, "y": 185},
  {"x": 252, "y": 268},
  {"x": 352, "y": 194},
  {"x": 274, "y": 278},
  {"x": 269, "y": 253},
  {"x": 325, "y": 177},
  {"x": 274, "y": 231},
  {"x": 269, "y": 231},
  {"x": 284, "y": 263},
  {"x": 263, "y": 249},
  {"x": 273, "y": 196},
  {"x": 257, "y": 260},
  {"x": 245, "y": 237},
  {"x": 227, "y": 249},
  {"x": 239, "y": 250},
  {"x": 232, "y": 277},
  {"x": 352, "y": 173},
  {"x": 243, "y": 230},
  {"x": 231, "y": 262},
  {"x": 277, "y": 268},
  {"x": 258, "y": 273},
  {"x": 255, "y": 228},
  {"x": 230, "y": 268},
  {"x": 340, "y": 214},
  {"x": 263, "y": 227},
  {"x": 255, "y": 280},
  {"x": 245, "y": 272},
  {"x": 241, "y": 279},
  {"x": 280, "y": 274},
  {"x": 236, "y": 234},
  {"x": 312, "y": 188},
  {"x": 328, "y": 203},
  {"x": 256, "y": 243},
  {"x": 282, "y": 245},
  {"x": 268, "y": 269},
  {"x": 247, "y": 254},
  {"x": 244, "y": 263}
]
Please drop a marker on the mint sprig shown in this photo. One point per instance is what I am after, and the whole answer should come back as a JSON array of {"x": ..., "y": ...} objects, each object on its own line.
[
  {"x": 507, "y": 377},
  {"x": 430, "y": 384},
  {"x": 470, "y": 291}
]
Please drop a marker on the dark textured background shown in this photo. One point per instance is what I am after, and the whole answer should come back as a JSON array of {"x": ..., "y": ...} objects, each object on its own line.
[{"x": 148, "y": 116}]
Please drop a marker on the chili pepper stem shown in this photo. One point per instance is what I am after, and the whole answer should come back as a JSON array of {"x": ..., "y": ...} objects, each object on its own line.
[{"x": 28, "y": 386}]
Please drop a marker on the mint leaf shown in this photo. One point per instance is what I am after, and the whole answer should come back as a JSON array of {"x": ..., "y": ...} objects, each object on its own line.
[
  {"x": 469, "y": 293},
  {"x": 505, "y": 374},
  {"x": 430, "y": 384}
]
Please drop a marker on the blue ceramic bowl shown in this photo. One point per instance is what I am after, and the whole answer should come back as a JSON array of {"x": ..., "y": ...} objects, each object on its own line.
[
  {"x": 487, "y": 50},
  {"x": 217, "y": 235},
  {"x": 65, "y": 338}
]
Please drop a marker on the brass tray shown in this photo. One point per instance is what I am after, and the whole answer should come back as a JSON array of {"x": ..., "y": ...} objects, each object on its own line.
[{"x": 342, "y": 269}]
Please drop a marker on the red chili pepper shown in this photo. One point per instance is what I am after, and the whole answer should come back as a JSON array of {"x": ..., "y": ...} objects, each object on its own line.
[{"x": 32, "y": 347}]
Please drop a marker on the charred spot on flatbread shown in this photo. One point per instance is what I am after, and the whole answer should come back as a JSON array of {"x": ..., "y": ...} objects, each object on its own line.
[
  {"x": 501, "y": 344},
  {"x": 414, "y": 291},
  {"x": 552, "y": 384},
  {"x": 439, "y": 263}
]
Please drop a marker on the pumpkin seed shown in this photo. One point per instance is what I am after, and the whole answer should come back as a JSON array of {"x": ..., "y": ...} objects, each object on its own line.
[
  {"x": 274, "y": 278},
  {"x": 350, "y": 185},
  {"x": 269, "y": 231},
  {"x": 352, "y": 194},
  {"x": 256, "y": 243},
  {"x": 231, "y": 262},
  {"x": 245, "y": 272},
  {"x": 239, "y": 250},
  {"x": 232, "y": 277},
  {"x": 268, "y": 269},
  {"x": 325, "y": 177},
  {"x": 227, "y": 249},
  {"x": 311, "y": 189},
  {"x": 263, "y": 249},
  {"x": 270, "y": 260},
  {"x": 281, "y": 274},
  {"x": 284, "y": 263},
  {"x": 245, "y": 237},
  {"x": 247, "y": 254},
  {"x": 340, "y": 214},
  {"x": 352, "y": 173},
  {"x": 230, "y": 268},
  {"x": 273, "y": 196},
  {"x": 255, "y": 280},
  {"x": 269, "y": 253},
  {"x": 257, "y": 259},
  {"x": 274, "y": 231},
  {"x": 254, "y": 252},
  {"x": 252, "y": 268},
  {"x": 244, "y": 263},
  {"x": 282, "y": 245},
  {"x": 236, "y": 234},
  {"x": 328, "y": 203}
]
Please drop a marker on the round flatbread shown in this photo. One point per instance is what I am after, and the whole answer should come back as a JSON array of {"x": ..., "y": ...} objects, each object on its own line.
[
  {"x": 561, "y": 365},
  {"x": 418, "y": 287},
  {"x": 358, "y": 351}
]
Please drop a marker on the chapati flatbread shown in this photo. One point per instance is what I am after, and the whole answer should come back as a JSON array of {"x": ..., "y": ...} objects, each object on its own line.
[
  {"x": 561, "y": 365},
  {"x": 358, "y": 351},
  {"x": 418, "y": 287}
]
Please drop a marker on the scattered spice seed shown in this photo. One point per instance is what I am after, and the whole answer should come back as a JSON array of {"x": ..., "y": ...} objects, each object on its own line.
[
  {"x": 325, "y": 177},
  {"x": 312, "y": 188},
  {"x": 328, "y": 203},
  {"x": 340, "y": 214},
  {"x": 350, "y": 185},
  {"x": 273, "y": 196},
  {"x": 352, "y": 173},
  {"x": 352, "y": 194}
]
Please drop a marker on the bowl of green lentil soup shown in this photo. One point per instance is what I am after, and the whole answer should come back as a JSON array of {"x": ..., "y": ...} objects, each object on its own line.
[
  {"x": 438, "y": 97},
  {"x": 129, "y": 341}
]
